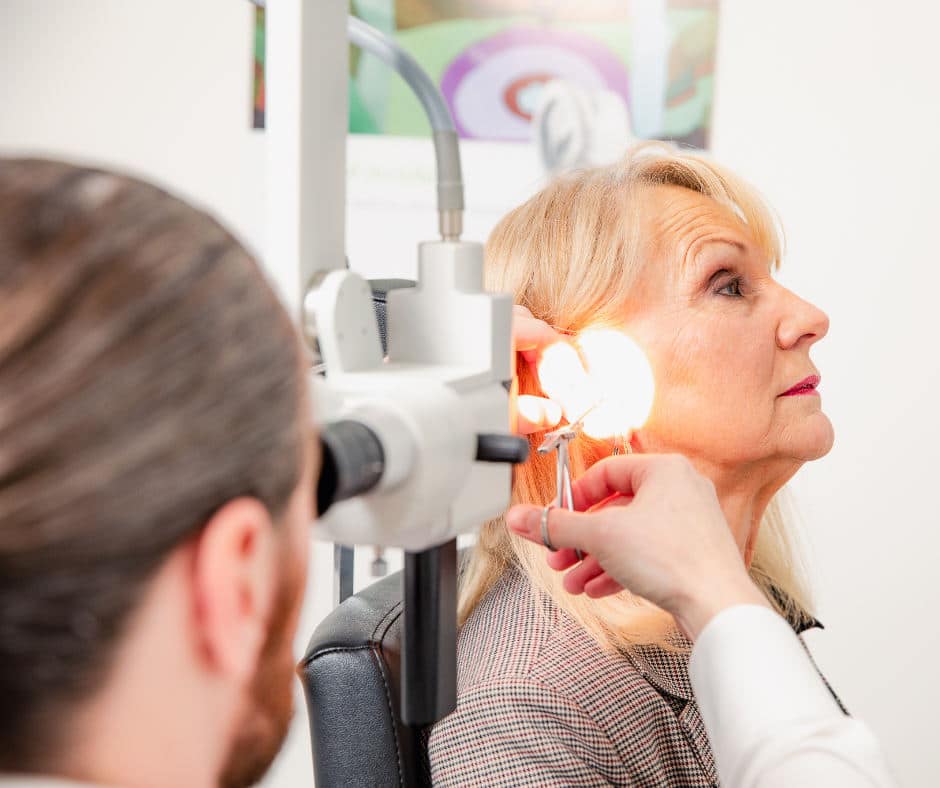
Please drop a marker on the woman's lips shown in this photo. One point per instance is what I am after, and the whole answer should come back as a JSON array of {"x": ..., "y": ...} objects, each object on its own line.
[{"x": 807, "y": 386}]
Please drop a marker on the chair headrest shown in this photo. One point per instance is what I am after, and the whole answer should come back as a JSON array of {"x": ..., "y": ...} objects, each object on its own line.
[{"x": 351, "y": 675}]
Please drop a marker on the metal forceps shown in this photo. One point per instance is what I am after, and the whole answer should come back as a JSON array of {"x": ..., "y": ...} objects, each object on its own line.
[{"x": 558, "y": 440}]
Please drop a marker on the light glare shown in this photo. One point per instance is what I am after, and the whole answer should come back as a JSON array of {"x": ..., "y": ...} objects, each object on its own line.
[
  {"x": 564, "y": 380},
  {"x": 615, "y": 378}
]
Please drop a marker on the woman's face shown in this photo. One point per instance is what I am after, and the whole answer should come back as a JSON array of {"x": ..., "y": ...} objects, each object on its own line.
[{"x": 725, "y": 341}]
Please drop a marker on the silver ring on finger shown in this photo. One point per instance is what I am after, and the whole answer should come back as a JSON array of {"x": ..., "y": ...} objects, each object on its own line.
[{"x": 544, "y": 523}]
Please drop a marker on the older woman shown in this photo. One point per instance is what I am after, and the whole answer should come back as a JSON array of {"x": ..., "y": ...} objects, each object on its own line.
[{"x": 677, "y": 252}]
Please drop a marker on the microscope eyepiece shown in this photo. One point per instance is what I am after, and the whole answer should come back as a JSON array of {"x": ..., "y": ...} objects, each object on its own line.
[{"x": 353, "y": 462}]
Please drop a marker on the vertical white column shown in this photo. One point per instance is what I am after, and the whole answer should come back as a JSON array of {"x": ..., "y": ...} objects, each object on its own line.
[
  {"x": 306, "y": 121},
  {"x": 649, "y": 66}
]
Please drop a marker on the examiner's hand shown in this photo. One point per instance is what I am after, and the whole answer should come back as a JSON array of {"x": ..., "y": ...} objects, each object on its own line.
[
  {"x": 530, "y": 336},
  {"x": 650, "y": 523}
]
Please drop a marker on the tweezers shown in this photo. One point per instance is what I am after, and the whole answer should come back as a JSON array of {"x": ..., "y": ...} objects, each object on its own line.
[{"x": 558, "y": 440}]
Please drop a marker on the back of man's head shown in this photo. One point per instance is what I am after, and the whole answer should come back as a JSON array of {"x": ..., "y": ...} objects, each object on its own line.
[{"x": 148, "y": 376}]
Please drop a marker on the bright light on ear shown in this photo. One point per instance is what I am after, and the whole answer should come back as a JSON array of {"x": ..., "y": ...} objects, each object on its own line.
[
  {"x": 610, "y": 380},
  {"x": 621, "y": 375},
  {"x": 564, "y": 380}
]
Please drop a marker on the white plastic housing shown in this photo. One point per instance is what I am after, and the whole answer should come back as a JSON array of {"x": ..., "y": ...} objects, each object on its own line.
[{"x": 441, "y": 385}]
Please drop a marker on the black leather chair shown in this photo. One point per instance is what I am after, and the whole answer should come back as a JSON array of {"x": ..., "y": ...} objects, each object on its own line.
[{"x": 352, "y": 680}]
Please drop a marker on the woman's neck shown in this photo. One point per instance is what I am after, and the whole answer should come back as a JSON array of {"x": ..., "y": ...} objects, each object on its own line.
[
  {"x": 744, "y": 492},
  {"x": 743, "y": 511}
]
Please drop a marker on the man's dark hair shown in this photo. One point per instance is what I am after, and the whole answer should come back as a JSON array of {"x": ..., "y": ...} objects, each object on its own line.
[{"x": 148, "y": 375}]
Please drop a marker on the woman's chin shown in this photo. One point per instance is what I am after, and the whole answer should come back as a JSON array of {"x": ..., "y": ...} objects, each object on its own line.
[{"x": 815, "y": 438}]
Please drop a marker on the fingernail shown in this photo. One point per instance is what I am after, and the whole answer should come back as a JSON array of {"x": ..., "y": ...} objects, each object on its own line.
[
  {"x": 552, "y": 413},
  {"x": 517, "y": 520}
]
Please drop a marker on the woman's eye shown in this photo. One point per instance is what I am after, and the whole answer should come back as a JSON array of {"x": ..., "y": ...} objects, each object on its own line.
[{"x": 732, "y": 288}]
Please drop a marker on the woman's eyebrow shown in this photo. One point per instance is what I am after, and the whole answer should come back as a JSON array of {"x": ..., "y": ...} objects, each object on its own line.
[{"x": 698, "y": 252}]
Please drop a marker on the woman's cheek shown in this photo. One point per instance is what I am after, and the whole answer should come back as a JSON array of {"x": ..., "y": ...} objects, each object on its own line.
[
  {"x": 681, "y": 360},
  {"x": 691, "y": 360}
]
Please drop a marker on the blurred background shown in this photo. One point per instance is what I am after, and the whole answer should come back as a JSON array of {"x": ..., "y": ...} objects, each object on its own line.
[{"x": 831, "y": 108}]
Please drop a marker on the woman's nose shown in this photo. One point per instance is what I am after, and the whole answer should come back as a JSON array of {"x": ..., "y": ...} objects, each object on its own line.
[{"x": 801, "y": 323}]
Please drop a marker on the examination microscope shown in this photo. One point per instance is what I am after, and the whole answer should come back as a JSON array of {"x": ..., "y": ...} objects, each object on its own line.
[{"x": 414, "y": 415}]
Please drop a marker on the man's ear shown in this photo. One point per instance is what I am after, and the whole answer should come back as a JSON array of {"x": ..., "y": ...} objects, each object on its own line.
[{"x": 233, "y": 582}]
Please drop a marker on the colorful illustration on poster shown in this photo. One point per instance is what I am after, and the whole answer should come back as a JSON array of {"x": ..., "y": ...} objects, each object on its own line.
[
  {"x": 491, "y": 59},
  {"x": 258, "y": 93}
]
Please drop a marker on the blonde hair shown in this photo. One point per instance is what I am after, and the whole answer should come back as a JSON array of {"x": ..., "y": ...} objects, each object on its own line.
[{"x": 572, "y": 255}]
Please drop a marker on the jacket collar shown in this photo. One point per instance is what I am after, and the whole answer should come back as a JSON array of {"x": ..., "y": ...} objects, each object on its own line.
[{"x": 668, "y": 671}]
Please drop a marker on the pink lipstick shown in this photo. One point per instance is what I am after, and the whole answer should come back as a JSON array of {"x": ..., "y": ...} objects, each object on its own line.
[{"x": 807, "y": 386}]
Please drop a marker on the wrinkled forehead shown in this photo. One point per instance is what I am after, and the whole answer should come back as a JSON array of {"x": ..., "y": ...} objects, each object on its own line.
[{"x": 680, "y": 225}]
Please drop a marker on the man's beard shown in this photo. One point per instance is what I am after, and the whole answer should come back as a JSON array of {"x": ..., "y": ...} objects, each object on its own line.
[{"x": 270, "y": 704}]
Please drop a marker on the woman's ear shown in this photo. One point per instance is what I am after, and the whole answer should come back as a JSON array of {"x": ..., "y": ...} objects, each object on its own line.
[{"x": 233, "y": 587}]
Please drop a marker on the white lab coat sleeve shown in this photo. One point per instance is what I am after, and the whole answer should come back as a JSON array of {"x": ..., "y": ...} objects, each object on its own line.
[{"x": 771, "y": 720}]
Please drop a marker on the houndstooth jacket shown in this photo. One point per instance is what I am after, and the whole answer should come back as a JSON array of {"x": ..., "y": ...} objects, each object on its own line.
[{"x": 541, "y": 703}]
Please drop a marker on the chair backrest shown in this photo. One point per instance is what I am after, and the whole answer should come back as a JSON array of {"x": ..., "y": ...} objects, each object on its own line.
[{"x": 351, "y": 675}]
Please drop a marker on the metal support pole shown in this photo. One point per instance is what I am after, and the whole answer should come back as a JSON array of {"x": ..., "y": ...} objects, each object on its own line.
[
  {"x": 429, "y": 641},
  {"x": 344, "y": 564}
]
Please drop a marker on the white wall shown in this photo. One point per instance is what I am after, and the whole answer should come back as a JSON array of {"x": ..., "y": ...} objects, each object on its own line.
[
  {"x": 159, "y": 88},
  {"x": 833, "y": 108},
  {"x": 830, "y": 107}
]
